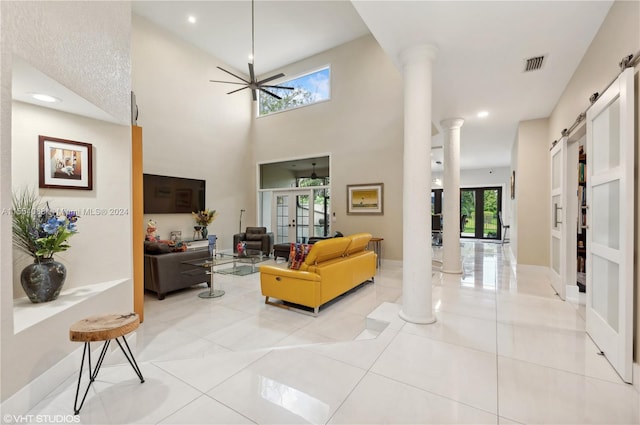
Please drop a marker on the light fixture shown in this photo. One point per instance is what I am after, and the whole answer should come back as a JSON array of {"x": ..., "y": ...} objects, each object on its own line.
[
  {"x": 191, "y": 19},
  {"x": 313, "y": 174},
  {"x": 483, "y": 114},
  {"x": 253, "y": 83},
  {"x": 44, "y": 97}
]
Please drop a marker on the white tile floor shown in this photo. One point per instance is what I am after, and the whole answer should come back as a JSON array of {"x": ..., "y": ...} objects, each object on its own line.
[{"x": 504, "y": 350}]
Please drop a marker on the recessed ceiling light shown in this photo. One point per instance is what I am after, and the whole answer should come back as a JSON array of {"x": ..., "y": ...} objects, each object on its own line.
[
  {"x": 483, "y": 114},
  {"x": 191, "y": 19},
  {"x": 44, "y": 97}
]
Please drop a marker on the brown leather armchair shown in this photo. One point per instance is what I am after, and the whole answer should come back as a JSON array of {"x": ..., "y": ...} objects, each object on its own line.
[{"x": 255, "y": 238}]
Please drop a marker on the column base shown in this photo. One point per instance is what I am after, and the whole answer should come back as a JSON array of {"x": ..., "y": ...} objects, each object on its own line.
[
  {"x": 456, "y": 271},
  {"x": 417, "y": 320}
]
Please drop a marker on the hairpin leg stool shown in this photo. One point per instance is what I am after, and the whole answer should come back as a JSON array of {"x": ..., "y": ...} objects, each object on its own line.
[{"x": 103, "y": 328}]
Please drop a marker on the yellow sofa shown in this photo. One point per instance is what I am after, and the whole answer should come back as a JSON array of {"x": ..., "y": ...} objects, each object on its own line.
[{"x": 332, "y": 267}]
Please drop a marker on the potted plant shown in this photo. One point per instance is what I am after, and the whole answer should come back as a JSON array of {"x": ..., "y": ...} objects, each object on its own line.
[
  {"x": 41, "y": 232},
  {"x": 203, "y": 219}
]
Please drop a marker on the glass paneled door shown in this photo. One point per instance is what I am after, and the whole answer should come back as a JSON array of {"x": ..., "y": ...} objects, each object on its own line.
[
  {"x": 292, "y": 216},
  {"x": 479, "y": 207},
  {"x": 610, "y": 243}
]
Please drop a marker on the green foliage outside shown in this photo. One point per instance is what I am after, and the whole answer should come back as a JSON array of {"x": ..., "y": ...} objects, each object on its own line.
[
  {"x": 468, "y": 208},
  {"x": 290, "y": 99}
]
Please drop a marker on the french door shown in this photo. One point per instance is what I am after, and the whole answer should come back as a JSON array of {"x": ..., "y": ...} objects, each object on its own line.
[
  {"x": 291, "y": 216},
  {"x": 479, "y": 208},
  {"x": 610, "y": 221}
]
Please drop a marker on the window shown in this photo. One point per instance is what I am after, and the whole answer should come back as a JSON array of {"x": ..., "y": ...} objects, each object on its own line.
[{"x": 310, "y": 88}]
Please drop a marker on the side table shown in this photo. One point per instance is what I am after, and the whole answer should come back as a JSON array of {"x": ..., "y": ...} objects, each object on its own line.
[
  {"x": 103, "y": 328},
  {"x": 377, "y": 248}
]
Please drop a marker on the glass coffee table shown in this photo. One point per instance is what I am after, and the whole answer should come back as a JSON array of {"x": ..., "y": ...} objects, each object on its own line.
[
  {"x": 219, "y": 259},
  {"x": 249, "y": 257},
  {"x": 207, "y": 263}
]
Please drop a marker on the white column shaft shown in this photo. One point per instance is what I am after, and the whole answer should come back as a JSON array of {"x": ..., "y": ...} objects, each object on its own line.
[
  {"x": 451, "y": 262},
  {"x": 417, "y": 255}
]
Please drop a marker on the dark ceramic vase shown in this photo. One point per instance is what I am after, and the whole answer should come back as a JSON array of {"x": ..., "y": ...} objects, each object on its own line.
[
  {"x": 43, "y": 280},
  {"x": 205, "y": 232}
]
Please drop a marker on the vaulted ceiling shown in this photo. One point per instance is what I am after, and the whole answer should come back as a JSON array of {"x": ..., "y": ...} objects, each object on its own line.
[{"x": 483, "y": 47}]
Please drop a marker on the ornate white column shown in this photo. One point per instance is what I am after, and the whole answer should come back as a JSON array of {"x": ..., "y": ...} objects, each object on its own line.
[
  {"x": 416, "y": 195},
  {"x": 451, "y": 188}
]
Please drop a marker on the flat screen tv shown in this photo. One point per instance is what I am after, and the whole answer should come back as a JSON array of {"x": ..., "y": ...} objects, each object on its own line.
[{"x": 172, "y": 195}]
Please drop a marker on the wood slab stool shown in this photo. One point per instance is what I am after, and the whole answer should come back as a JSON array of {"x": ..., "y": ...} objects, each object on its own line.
[{"x": 103, "y": 328}]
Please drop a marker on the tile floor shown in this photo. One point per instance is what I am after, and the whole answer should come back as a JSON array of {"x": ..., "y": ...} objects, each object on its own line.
[{"x": 504, "y": 350}]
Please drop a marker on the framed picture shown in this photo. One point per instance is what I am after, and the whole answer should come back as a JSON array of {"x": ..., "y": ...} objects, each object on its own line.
[
  {"x": 365, "y": 199},
  {"x": 65, "y": 164}
]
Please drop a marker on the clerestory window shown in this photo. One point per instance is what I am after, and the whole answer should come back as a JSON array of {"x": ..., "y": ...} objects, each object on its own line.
[{"x": 309, "y": 88}]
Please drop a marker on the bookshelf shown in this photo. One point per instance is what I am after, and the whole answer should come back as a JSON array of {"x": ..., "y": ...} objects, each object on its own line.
[{"x": 582, "y": 221}]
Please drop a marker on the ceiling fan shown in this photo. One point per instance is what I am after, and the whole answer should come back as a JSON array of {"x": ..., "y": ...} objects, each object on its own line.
[{"x": 254, "y": 84}]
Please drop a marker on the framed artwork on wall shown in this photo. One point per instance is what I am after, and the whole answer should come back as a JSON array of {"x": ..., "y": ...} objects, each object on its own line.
[
  {"x": 366, "y": 199},
  {"x": 65, "y": 164}
]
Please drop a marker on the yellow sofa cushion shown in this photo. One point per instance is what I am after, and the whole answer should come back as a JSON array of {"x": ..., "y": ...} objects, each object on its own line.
[
  {"x": 326, "y": 250},
  {"x": 359, "y": 242}
]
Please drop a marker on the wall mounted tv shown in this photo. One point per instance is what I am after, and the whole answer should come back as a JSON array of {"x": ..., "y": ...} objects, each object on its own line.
[{"x": 172, "y": 195}]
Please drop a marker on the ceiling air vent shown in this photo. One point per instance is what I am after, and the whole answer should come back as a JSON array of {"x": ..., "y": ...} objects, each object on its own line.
[{"x": 533, "y": 64}]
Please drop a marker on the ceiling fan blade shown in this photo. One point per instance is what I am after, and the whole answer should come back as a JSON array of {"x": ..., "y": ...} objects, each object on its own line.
[
  {"x": 279, "y": 87},
  {"x": 269, "y": 93},
  {"x": 266, "y": 80},
  {"x": 226, "y": 82},
  {"x": 242, "y": 88},
  {"x": 254, "y": 95},
  {"x": 231, "y": 73},
  {"x": 251, "y": 74}
]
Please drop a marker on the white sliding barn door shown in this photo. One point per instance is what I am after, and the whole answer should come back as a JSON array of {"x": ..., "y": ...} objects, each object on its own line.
[
  {"x": 610, "y": 220},
  {"x": 564, "y": 181}
]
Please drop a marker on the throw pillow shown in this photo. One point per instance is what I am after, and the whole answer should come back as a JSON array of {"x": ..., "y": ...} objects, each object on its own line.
[{"x": 297, "y": 254}]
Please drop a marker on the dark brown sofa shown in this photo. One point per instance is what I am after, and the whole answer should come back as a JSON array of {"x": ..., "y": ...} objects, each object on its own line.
[{"x": 167, "y": 272}]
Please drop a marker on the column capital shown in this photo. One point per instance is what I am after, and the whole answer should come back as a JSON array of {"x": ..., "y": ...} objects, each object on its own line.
[
  {"x": 418, "y": 53},
  {"x": 452, "y": 123}
]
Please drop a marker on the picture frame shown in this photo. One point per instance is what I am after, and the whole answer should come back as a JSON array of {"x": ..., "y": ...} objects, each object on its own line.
[
  {"x": 365, "y": 199},
  {"x": 65, "y": 164}
]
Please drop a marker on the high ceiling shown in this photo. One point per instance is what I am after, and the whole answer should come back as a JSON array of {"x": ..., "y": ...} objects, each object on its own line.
[{"x": 483, "y": 47}]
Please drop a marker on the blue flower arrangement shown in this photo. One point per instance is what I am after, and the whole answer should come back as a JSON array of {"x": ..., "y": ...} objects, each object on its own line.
[{"x": 38, "y": 230}]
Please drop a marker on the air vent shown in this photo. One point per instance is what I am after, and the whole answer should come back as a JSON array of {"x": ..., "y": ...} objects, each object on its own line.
[{"x": 533, "y": 64}]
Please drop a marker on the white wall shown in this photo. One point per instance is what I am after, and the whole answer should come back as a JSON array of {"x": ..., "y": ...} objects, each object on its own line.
[
  {"x": 192, "y": 128},
  {"x": 532, "y": 193},
  {"x": 361, "y": 127},
  {"x": 61, "y": 39}
]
